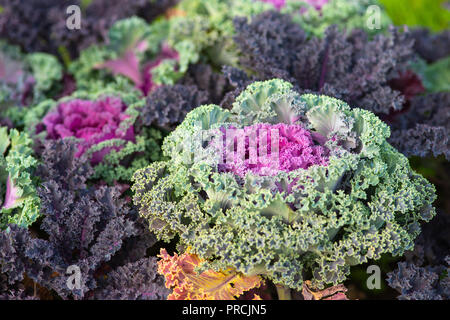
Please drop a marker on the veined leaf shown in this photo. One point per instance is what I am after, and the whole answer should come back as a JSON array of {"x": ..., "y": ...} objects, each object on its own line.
[{"x": 187, "y": 284}]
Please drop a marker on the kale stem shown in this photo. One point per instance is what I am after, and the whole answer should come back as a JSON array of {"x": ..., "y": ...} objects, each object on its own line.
[{"x": 284, "y": 293}]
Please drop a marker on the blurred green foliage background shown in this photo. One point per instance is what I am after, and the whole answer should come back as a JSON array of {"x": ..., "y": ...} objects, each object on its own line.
[{"x": 434, "y": 14}]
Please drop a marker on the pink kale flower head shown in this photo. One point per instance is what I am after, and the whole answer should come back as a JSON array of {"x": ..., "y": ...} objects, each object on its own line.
[
  {"x": 90, "y": 121},
  {"x": 266, "y": 149}
]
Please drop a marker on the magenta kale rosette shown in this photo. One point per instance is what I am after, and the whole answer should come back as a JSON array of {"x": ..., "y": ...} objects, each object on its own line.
[
  {"x": 92, "y": 122},
  {"x": 292, "y": 145}
]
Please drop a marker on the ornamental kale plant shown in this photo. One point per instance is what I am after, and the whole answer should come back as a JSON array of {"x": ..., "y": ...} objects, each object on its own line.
[
  {"x": 19, "y": 203},
  {"x": 431, "y": 46},
  {"x": 27, "y": 24},
  {"x": 87, "y": 226},
  {"x": 124, "y": 55},
  {"x": 201, "y": 31},
  {"x": 315, "y": 16},
  {"x": 40, "y": 25},
  {"x": 104, "y": 126},
  {"x": 26, "y": 80},
  {"x": 423, "y": 274},
  {"x": 161, "y": 52},
  {"x": 127, "y": 37},
  {"x": 90, "y": 121},
  {"x": 167, "y": 105},
  {"x": 284, "y": 185},
  {"x": 421, "y": 283}
]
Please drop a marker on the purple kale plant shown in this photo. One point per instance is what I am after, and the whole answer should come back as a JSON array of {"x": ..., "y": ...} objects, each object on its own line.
[
  {"x": 13, "y": 264},
  {"x": 349, "y": 67},
  {"x": 41, "y": 25},
  {"x": 421, "y": 283},
  {"x": 424, "y": 273},
  {"x": 134, "y": 281},
  {"x": 431, "y": 46},
  {"x": 216, "y": 84},
  {"x": 424, "y": 129},
  {"x": 85, "y": 226},
  {"x": 168, "y": 105},
  {"x": 28, "y": 23}
]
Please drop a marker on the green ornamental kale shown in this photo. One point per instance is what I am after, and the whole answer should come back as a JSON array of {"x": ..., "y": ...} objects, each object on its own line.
[
  {"x": 160, "y": 52},
  {"x": 214, "y": 21},
  {"x": 435, "y": 76},
  {"x": 337, "y": 195},
  {"x": 26, "y": 79},
  {"x": 368, "y": 15},
  {"x": 124, "y": 42},
  {"x": 19, "y": 203}
]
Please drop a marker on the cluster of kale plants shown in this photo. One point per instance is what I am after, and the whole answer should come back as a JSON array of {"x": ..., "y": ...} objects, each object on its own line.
[{"x": 220, "y": 149}]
